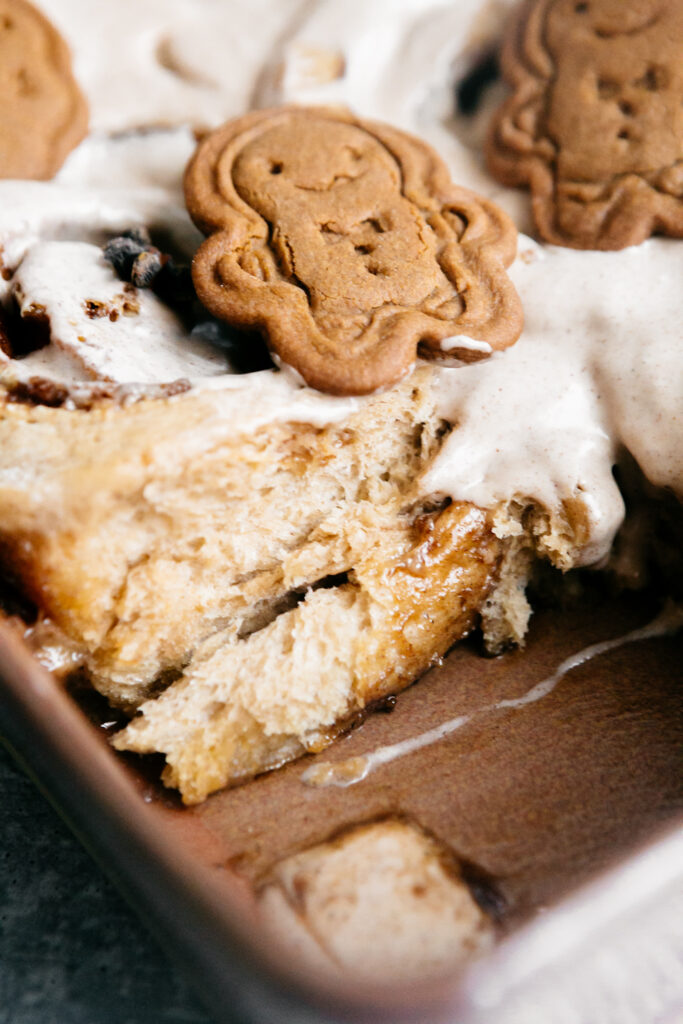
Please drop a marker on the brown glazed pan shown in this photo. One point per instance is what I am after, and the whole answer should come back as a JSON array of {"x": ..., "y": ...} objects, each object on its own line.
[{"x": 570, "y": 807}]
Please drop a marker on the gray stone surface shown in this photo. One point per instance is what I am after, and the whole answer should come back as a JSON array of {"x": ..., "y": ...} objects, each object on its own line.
[{"x": 71, "y": 950}]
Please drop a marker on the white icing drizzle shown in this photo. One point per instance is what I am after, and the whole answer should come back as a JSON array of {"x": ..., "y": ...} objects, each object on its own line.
[
  {"x": 355, "y": 769},
  {"x": 462, "y": 341}
]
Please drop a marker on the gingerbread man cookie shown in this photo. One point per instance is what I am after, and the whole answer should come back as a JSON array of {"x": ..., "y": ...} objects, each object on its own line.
[
  {"x": 42, "y": 112},
  {"x": 595, "y": 123},
  {"x": 345, "y": 242}
]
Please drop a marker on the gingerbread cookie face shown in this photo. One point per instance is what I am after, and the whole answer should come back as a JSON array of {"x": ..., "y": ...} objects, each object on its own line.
[
  {"x": 348, "y": 246},
  {"x": 595, "y": 124},
  {"x": 42, "y": 112}
]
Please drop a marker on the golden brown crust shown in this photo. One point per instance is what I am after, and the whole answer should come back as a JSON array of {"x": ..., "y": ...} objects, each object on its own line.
[
  {"x": 43, "y": 114},
  {"x": 347, "y": 244},
  {"x": 286, "y": 576},
  {"x": 595, "y": 123},
  {"x": 407, "y": 601},
  {"x": 140, "y": 529}
]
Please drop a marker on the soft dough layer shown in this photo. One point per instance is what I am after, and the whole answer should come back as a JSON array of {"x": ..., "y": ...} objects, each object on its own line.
[
  {"x": 246, "y": 705},
  {"x": 289, "y": 573},
  {"x": 141, "y": 529}
]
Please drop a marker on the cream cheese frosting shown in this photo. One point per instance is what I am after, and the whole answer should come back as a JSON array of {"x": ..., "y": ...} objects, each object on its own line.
[
  {"x": 106, "y": 331},
  {"x": 598, "y": 367},
  {"x": 166, "y": 62},
  {"x": 33, "y": 211}
]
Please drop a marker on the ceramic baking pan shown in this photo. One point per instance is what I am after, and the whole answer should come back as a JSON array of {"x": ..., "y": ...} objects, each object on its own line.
[{"x": 567, "y": 807}]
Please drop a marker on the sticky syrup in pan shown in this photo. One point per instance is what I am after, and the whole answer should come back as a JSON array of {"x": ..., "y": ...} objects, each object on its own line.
[{"x": 355, "y": 769}]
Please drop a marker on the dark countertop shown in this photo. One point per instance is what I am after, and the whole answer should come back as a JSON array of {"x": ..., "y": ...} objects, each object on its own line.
[{"x": 71, "y": 949}]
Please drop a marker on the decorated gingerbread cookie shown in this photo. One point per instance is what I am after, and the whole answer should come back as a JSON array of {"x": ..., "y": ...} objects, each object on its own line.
[
  {"x": 346, "y": 243},
  {"x": 42, "y": 112},
  {"x": 595, "y": 123}
]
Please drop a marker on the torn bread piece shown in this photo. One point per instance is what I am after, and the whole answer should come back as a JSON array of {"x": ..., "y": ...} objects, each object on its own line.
[
  {"x": 244, "y": 705},
  {"x": 142, "y": 529},
  {"x": 286, "y": 575},
  {"x": 382, "y": 900}
]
